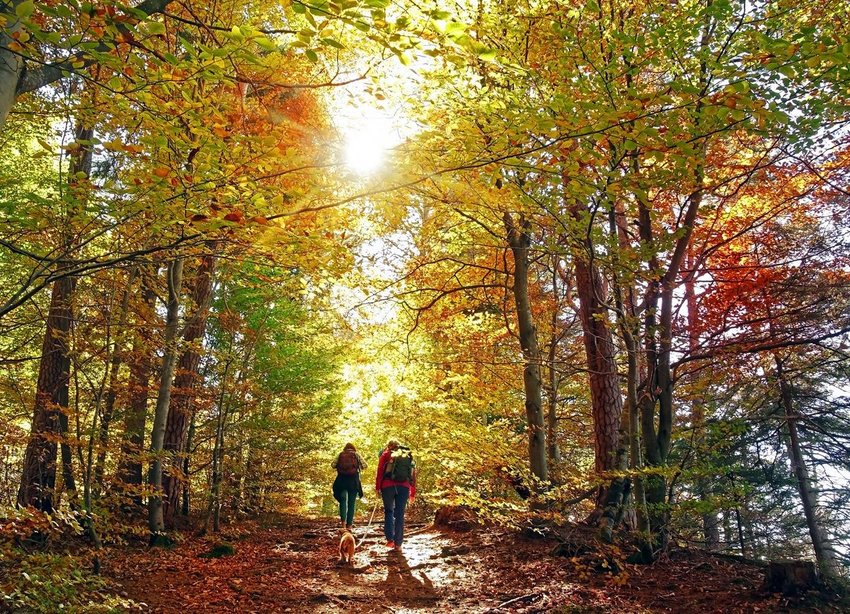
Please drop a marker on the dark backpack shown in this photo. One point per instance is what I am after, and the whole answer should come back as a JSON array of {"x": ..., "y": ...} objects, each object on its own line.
[
  {"x": 347, "y": 464},
  {"x": 400, "y": 465}
]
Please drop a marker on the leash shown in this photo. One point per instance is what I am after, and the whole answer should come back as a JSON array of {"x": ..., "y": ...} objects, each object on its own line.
[{"x": 368, "y": 526}]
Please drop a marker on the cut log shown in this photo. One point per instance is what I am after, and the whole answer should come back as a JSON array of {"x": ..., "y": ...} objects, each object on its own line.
[{"x": 456, "y": 517}]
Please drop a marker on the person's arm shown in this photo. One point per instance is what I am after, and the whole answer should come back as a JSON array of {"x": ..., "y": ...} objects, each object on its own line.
[
  {"x": 380, "y": 476},
  {"x": 334, "y": 464},
  {"x": 413, "y": 485},
  {"x": 360, "y": 460}
]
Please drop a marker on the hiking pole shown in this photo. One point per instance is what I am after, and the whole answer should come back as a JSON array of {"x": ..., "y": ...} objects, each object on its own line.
[{"x": 368, "y": 526}]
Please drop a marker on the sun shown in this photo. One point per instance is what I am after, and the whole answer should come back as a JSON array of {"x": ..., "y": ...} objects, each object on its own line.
[{"x": 367, "y": 137}]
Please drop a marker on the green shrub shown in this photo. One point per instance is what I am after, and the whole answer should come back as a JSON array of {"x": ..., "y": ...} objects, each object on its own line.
[{"x": 49, "y": 583}]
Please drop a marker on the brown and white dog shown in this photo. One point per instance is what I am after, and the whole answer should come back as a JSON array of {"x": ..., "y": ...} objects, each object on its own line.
[{"x": 346, "y": 547}]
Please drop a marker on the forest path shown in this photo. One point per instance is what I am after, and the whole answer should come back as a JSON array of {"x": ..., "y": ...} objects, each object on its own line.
[{"x": 289, "y": 564}]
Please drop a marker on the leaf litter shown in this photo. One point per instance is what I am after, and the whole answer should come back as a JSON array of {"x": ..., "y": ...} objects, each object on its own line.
[{"x": 289, "y": 564}]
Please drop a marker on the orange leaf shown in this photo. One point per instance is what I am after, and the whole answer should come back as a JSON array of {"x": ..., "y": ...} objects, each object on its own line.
[{"x": 161, "y": 171}]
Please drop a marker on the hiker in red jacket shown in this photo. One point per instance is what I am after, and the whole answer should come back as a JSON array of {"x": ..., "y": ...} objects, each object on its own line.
[{"x": 396, "y": 483}]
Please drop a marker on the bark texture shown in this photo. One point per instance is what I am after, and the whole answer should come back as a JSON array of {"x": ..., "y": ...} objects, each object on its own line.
[
  {"x": 183, "y": 393},
  {"x": 606, "y": 397},
  {"x": 38, "y": 478},
  {"x": 135, "y": 416},
  {"x": 156, "y": 523},
  {"x": 519, "y": 242}
]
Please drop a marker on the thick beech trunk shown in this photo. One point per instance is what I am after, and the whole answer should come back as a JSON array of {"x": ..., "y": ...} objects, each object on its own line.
[
  {"x": 606, "y": 397},
  {"x": 38, "y": 478},
  {"x": 185, "y": 383},
  {"x": 50, "y": 417},
  {"x": 11, "y": 63},
  {"x": 156, "y": 524},
  {"x": 519, "y": 242}
]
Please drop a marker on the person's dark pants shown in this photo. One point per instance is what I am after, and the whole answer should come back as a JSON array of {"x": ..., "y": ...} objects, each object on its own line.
[
  {"x": 347, "y": 501},
  {"x": 395, "y": 502}
]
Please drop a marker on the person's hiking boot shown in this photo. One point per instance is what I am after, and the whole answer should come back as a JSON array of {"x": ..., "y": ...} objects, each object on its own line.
[
  {"x": 391, "y": 545},
  {"x": 349, "y": 526}
]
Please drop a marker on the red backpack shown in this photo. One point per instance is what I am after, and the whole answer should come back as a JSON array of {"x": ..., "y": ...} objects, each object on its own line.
[{"x": 347, "y": 464}]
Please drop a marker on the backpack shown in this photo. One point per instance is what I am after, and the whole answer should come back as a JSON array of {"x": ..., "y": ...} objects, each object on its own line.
[
  {"x": 400, "y": 465},
  {"x": 347, "y": 464}
]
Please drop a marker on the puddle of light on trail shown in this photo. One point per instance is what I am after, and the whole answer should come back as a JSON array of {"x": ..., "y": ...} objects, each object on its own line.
[{"x": 422, "y": 557}]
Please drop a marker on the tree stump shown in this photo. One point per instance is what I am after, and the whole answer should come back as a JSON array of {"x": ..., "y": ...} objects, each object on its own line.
[{"x": 791, "y": 577}]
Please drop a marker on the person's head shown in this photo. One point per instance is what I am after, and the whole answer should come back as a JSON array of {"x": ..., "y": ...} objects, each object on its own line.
[
  {"x": 393, "y": 444},
  {"x": 349, "y": 447}
]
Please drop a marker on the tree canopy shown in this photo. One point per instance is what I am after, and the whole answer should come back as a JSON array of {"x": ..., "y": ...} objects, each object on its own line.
[{"x": 589, "y": 260}]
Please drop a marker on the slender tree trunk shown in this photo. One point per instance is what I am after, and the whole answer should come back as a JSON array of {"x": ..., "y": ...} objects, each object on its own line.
[
  {"x": 710, "y": 524},
  {"x": 141, "y": 367},
  {"x": 820, "y": 541},
  {"x": 156, "y": 522},
  {"x": 189, "y": 441},
  {"x": 112, "y": 388},
  {"x": 553, "y": 451},
  {"x": 624, "y": 300},
  {"x": 183, "y": 396},
  {"x": 519, "y": 242}
]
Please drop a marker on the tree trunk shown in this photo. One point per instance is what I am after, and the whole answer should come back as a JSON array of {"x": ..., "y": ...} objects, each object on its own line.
[
  {"x": 184, "y": 510},
  {"x": 13, "y": 79},
  {"x": 130, "y": 471},
  {"x": 553, "y": 451},
  {"x": 710, "y": 524},
  {"x": 11, "y": 64},
  {"x": 156, "y": 522},
  {"x": 606, "y": 398},
  {"x": 519, "y": 242},
  {"x": 112, "y": 387},
  {"x": 50, "y": 417},
  {"x": 820, "y": 542},
  {"x": 38, "y": 477},
  {"x": 180, "y": 409}
]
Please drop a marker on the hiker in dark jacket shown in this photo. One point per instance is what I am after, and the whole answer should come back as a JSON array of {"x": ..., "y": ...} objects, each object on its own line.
[
  {"x": 347, "y": 485},
  {"x": 396, "y": 484}
]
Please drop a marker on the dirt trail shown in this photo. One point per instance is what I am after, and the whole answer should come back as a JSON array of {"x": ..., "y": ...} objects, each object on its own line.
[{"x": 290, "y": 565}]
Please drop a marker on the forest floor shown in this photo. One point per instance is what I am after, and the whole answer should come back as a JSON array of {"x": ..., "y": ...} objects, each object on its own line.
[{"x": 287, "y": 564}]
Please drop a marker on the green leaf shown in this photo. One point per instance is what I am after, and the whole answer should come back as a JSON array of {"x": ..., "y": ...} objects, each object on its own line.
[
  {"x": 25, "y": 9},
  {"x": 312, "y": 55},
  {"x": 155, "y": 28},
  {"x": 331, "y": 42},
  {"x": 487, "y": 55},
  {"x": 267, "y": 44}
]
